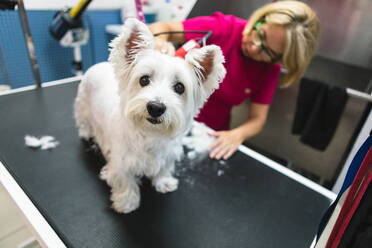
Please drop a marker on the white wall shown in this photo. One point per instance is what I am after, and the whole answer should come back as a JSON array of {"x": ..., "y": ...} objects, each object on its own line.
[
  {"x": 57, "y": 4},
  {"x": 171, "y": 10}
]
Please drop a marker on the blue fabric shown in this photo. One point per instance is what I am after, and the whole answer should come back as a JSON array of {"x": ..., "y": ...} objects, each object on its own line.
[
  {"x": 350, "y": 175},
  {"x": 355, "y": 164}
]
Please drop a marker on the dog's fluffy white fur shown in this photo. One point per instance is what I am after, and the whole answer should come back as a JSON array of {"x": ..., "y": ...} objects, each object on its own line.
[{"x": 138, "y": 106}]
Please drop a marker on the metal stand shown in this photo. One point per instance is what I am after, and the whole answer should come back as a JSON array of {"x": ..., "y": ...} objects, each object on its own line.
[
  {"x": 75, "y": 38},
  {"x": 77, "y": 65},
  {"x": 29, "y": 43}
]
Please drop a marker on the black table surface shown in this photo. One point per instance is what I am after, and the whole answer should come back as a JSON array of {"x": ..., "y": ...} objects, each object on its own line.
[{"x": 249, "y": 205}]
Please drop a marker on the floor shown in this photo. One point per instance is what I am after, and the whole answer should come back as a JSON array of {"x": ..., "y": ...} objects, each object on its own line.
[{"x": 14, "y": 231}]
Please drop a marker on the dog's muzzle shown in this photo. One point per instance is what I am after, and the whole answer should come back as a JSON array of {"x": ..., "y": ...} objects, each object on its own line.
[{"x": 155, "y": 109}]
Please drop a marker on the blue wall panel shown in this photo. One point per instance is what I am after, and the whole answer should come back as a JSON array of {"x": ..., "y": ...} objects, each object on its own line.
[
  {"x": 96, "y": 21},
  {"x": 54, "y": 60}
]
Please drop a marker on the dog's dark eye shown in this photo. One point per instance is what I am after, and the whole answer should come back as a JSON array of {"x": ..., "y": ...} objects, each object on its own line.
[
  {"x": 179, "y": 88},
  {"x": 144, "y": 80}
]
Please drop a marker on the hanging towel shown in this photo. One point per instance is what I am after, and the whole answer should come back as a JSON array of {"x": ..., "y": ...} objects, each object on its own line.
[
  {"x": 358, "y": 233},
  {"x": 357, "y": 192},
  {"x": 318, "y": 111},
  {"x": 347, "y": 221},
  {"x": 349, "y": 178}
]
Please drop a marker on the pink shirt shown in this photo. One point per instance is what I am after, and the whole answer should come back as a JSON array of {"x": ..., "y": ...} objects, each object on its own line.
[{"x": 245, "y": 77}]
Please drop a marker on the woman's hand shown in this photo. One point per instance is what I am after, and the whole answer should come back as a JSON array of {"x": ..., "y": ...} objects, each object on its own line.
[
  {"x": 226, "y": 143},
  {"x": 164, "y": 47}
]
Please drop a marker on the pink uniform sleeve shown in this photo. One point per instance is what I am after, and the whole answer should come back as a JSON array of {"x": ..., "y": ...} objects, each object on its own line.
[
  {"x": 213, "y": 23},
  {"x": 265, "y": 92}
]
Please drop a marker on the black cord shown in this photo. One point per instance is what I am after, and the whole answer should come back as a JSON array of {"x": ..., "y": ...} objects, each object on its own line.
[
  {"x": 182, "y": 32},
  {"x": 202, "y": 40}
]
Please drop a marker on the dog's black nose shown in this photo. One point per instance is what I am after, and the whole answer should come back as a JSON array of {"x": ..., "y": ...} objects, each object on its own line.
[{"x": 155, "y": 109}]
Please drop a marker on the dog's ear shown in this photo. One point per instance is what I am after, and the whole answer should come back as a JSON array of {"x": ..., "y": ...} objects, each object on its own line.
[
  {"x": 207, "y": 63},
  {"x": 134, "y": 38}
]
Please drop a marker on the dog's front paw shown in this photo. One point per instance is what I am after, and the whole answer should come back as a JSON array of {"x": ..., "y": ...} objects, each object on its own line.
[
  {"x": 107, "y": 175},
  {"x": 85, "y": 132},
  {"x": 104, "y": 174},
  {"x": 166, "y": 184},
  {"x": 125, "y": 202}
]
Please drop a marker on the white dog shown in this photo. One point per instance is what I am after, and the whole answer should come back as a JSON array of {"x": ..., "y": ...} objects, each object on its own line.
[{"x": 138, "y": 106}]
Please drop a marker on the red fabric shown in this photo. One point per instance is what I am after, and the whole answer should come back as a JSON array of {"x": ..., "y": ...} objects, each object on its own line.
[
  {"x": 354, "y": 196},
  {"x": 242, "y": 73}
]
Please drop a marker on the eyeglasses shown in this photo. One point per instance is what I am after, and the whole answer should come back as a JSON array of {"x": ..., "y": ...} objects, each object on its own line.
[{"x": 258, "y": 40}]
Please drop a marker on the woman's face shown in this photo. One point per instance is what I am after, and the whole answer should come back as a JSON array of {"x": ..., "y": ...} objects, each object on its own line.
[{"x": 273, "y": 40}]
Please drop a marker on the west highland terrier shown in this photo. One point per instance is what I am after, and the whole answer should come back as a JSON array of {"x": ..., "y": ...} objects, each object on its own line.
[{"x": 138, "y": 106}]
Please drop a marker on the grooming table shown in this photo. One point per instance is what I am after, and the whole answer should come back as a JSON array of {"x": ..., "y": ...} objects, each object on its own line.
[{"x": 246, "y": 201}]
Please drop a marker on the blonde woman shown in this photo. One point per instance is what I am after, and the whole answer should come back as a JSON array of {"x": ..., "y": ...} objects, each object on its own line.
[{"x": 278, "y": 34}]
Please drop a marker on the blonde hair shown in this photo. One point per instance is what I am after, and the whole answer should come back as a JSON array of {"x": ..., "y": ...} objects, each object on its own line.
[{"x": 302, "y": 33}]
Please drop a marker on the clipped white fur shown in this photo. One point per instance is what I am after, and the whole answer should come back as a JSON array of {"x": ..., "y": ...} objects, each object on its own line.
[{"x": 111, "y": 108}]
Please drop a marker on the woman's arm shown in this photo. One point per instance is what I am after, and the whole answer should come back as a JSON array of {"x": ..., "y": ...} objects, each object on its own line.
[
  {"x": 256, "y": 120},
  {"x": 162, "y": 41},
  {"x": 159, "y": 27},
  {"x": 227, "y": 142}
]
